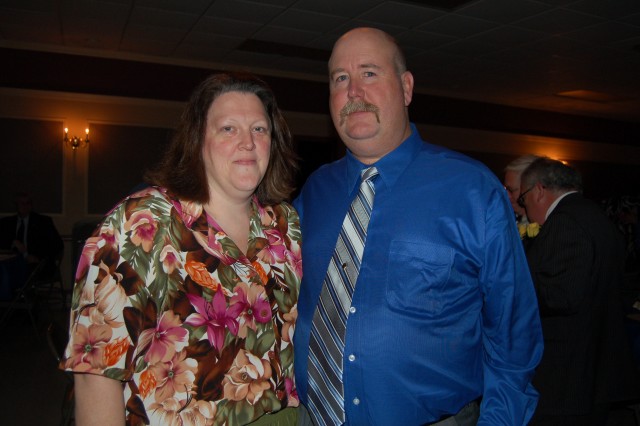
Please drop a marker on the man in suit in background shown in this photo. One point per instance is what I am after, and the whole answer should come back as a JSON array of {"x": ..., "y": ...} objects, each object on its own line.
[
  {"x": 512, "y": 174},
  {"x": 31, "y": 234},
  {"x": 576, "y": 262}
]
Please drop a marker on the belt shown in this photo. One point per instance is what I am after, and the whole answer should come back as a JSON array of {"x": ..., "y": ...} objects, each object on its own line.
[{"x": 467, "y": 416}]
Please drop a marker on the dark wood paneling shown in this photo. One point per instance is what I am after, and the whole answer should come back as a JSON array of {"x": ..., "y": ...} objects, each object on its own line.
[
  {"x": 73, "y": 73},
  {"x": 31, "y": 161},
  {"x": 118, "y": 158}
]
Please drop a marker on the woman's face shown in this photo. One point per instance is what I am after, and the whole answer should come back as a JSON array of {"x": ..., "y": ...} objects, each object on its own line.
[{"x": 236, "y": 146}]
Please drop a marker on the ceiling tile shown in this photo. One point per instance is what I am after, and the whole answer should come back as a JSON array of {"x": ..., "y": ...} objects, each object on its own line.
[
  {"x": 503, "y": 10},
  {"x": 308, "y": 21},
  {"x": 612, "y": 9},
  {"x": 348, "y": 9},
  {"x": 196, "y": 7},
  {"x": 559, "y": 21},
  {"x": 605, "y": 33},
  {"x": 244, "y": 11},
  {"x": 285, "y": 35},
  {"x": 508, "y": 36},
  {"x": 423, "y": 40},
  {"x": 457, "y": 26},
  {"x": 400, "y": 14},
  {"x": 228, "y": 27}
]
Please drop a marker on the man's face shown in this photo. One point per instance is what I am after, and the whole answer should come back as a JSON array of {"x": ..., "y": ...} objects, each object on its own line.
[
  {"x": 535, "y": 202},
  {"x": 24, "y": 205},
  {"x": 368, "y": 99},
  {"x": 512, "y": 185}
]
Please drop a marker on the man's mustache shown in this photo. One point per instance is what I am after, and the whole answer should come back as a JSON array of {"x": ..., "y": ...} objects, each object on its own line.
[{"x": 358, "y": 106}]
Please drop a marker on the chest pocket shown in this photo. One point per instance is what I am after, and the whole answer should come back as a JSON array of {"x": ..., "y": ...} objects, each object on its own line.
[{"x": 417, "y": 275}]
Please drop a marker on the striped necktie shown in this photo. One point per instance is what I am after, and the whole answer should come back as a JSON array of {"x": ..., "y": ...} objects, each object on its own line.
[{"x": 326, "y": 393}]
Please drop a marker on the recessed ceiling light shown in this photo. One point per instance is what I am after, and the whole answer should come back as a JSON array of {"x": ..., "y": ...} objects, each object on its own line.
[{"x": 591, "y": 96}]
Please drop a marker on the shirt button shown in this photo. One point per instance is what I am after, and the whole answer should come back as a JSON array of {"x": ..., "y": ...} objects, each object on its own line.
[
  {"x": 356, "y": 401},
  {"x": 352, "y": 309},
  {"x": 352, "y": 357}
]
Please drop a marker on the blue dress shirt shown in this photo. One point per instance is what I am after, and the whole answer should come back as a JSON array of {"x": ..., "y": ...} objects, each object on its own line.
[{"x": 444, "y": 311}]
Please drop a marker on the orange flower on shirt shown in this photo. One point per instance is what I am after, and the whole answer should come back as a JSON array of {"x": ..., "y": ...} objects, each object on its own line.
[
  {"x": 147, "y": 383},
  {"x": 113, "y": 351},
  {"x": 261, "y": 272},
  {"x": 198, "y": 273}
]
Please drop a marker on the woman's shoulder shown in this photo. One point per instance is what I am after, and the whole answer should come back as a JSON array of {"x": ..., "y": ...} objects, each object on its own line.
[{"x": 146, "y": 198}]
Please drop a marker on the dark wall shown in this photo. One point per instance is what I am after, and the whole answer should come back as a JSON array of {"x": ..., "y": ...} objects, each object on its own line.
[
  {"x": 118, "y": 158},
  {"x": 31, "y": 161},
  {"x": 110, "y": 178}
]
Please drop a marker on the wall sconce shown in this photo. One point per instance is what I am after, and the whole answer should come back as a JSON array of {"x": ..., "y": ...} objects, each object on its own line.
[{"x": 75, "y": 142}]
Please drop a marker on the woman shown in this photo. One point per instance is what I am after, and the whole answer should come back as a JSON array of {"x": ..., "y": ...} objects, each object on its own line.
[{"x": 186, "y": 295}]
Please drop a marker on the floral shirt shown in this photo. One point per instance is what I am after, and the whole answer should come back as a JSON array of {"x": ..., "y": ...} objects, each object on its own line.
[{"x": 199, "y": 332}]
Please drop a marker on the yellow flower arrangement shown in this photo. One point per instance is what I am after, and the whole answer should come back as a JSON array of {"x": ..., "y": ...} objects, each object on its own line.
[{"x": 530, "y": 230}]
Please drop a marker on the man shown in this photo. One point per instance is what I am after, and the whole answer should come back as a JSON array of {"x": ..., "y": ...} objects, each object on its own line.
[
  {"x": 512, "y": 174},
  {"x": 577, "y": 264},
  {"x": 30, "y": 234},
  {"x": 444, "y": 312}
]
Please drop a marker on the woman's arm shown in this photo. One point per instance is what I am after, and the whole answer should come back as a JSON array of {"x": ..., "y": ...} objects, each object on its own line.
[{"x": 99, "y": 401}]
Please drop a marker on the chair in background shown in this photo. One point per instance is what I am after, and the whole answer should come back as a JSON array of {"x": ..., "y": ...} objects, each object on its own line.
[
  {"x": 24, "y": 297},
  {"x": 56, "y": 340},
  {"x": 49, "y": 279}
]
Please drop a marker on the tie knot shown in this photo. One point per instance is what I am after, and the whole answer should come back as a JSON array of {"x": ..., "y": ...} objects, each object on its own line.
[{"x": 368, "y": 173}]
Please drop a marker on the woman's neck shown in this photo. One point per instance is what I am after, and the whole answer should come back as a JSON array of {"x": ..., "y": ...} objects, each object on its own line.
[{"x": 233, "y": 218}]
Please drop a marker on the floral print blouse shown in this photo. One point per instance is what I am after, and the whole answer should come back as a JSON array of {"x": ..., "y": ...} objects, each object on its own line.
[{"x": 198, "y": 332}]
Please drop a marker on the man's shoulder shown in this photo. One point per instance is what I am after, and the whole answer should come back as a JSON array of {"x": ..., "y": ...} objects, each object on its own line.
[
  {"x": 39, "y": 217},
  {"x": 326, "y": 174},
  {"x": 446, "y": 163}
]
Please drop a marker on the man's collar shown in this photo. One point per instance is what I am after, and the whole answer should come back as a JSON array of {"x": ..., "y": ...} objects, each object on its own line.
[
  {"x": 391, "y": 166},
  {"x": 555, "y": 203}
]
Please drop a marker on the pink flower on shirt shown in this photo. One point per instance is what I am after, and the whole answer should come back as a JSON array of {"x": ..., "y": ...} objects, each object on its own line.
[
  {"x": 165, "y": 340},
  {"x": 170, "y": 259},
  {"x": 174, "y": 376},
  {"x": 189, "y": 211},
  {"x": 143, "y": 229},
  {"x": 87, "y": 350},
  {"x": 253, "y": 304},
  {"x": 215, "y": 316},
  {"x": 274, "y": 251}
]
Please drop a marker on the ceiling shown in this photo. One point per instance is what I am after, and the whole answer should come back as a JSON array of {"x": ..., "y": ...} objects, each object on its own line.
[{"x": 511, "y": 52}]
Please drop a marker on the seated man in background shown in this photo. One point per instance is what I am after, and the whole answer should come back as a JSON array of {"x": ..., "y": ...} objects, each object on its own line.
[{"x": 30, "y": 234}]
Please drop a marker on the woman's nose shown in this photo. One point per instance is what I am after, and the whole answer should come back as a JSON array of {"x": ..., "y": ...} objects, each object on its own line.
[{"x": 246, "y": 141}]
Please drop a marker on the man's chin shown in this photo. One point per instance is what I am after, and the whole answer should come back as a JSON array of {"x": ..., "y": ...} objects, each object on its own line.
[{"x": 360, "y": 129}]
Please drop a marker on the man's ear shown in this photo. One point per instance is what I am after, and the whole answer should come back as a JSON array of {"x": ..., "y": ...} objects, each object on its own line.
[
  {"x": 407, "y": 87},
  {"x": 540, "y": 191}
]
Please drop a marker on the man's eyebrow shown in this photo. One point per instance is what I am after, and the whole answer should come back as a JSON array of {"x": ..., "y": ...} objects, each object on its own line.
[
  {"x": 361, "y": 66},
  {"x": 335, "y": 71}
]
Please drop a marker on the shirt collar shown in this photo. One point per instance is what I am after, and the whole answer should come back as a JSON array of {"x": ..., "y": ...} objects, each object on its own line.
[
  {"x": 555, "y": 203},
  {"x": 391, "y": 166}
]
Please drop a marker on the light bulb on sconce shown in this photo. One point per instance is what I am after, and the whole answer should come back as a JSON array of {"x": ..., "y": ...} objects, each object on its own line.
[{"x": 75, "y": 142}]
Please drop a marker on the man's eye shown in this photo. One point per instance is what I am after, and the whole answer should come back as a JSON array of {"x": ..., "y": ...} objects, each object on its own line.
[
  {"x": 369, "y": 74},
  {"x": 341, "y": 78}
]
